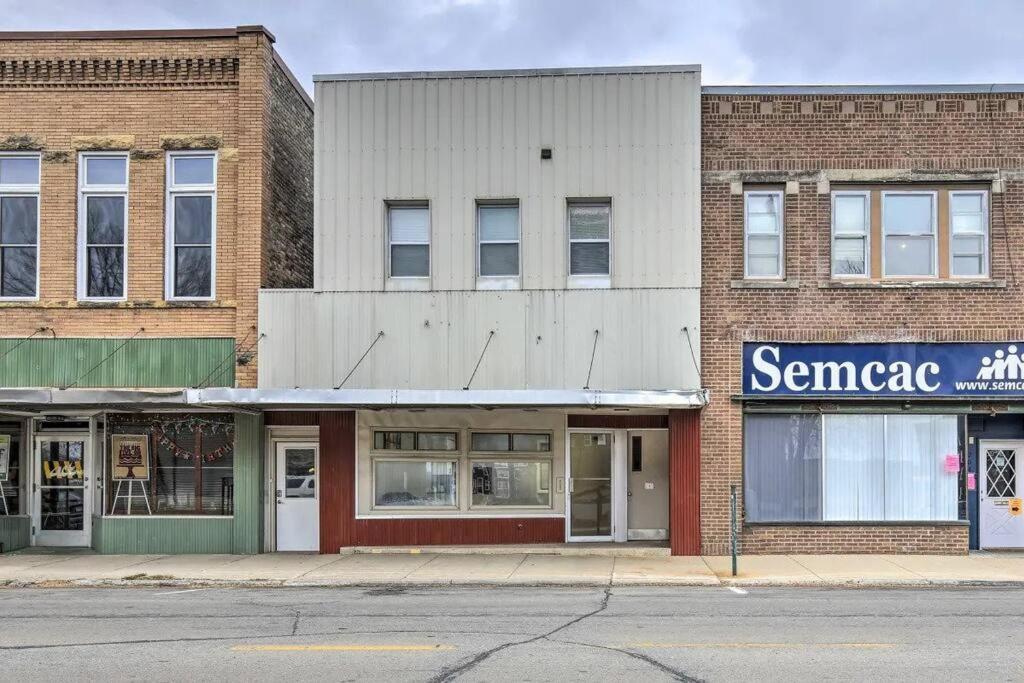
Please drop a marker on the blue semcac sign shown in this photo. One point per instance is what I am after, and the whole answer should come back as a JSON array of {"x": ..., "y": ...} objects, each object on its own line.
[{"x": 889, "y": 370}]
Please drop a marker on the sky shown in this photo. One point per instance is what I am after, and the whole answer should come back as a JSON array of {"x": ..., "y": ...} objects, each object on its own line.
[{"x": 735, "y": 41}]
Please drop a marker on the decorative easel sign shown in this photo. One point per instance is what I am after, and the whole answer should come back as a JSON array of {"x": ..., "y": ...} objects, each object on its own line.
[
  {"x": 129, "y": 457},
  {"x": 5, "y": 456}
]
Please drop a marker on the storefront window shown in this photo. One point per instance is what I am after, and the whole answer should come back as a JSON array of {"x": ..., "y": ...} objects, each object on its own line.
[
  {"x": 415, "y": 441},
  {"x": 170, "y": 464},
  {"x": 512, "y": 484},
  {"x": 855, "y": 468},
  {"x": 10, "y": 469},
  {"x": 419, "y": 483}
]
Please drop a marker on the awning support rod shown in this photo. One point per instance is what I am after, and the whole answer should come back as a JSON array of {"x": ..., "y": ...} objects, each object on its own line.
[
  {"x": 365, "y": 354},
  {"x": 479, "y": 360},
  {"x": 593, "y": 352},
  {"x": 108, "y": 357},
  {"x": 693, "y": 355}
]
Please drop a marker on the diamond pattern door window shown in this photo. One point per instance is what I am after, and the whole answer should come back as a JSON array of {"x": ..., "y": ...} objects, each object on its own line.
[{"x": 1001, "y": 473}]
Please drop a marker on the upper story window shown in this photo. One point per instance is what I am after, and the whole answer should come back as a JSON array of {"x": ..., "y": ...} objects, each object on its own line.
[
  {"x": 762, "y": 234},
  {"x": 191, "y": 225},
  {"x": 102, "y": 225},
  {"x": 19, "y": 226},
  {"x": 498, "y": 235},
  {"x": 590, "y": 240},
  {"x": 408, "y": 240},
  {"x": 933, "y": 233}
]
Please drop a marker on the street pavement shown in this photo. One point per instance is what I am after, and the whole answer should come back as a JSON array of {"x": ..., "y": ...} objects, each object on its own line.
[{"x": 511, "y": 634}]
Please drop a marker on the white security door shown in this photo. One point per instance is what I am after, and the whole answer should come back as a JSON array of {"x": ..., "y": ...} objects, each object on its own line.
[
  {"x": 1000, "y": 515},
  {"x": 61, "y": 504},
  {"x": 298, "y": 506}
]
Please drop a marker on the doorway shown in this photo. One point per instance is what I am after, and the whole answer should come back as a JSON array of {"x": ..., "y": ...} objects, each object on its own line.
[
  {"x": 62, "y": 506},
  {"x": 647, "y": 488},
  {"x": 595, "y": 469},
  {"x": 298, "y": 497},
  {"x": 1000, "y": 513}
]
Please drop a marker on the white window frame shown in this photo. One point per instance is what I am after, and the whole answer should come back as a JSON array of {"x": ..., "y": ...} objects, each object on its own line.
[
  {"x": 408, "y": 204},
  {"x": 84, "y": 192},
  {"x": 935, "y": 234},
  {"x": 781, "y": 261},
  {"x": 176, "y": 190},
  {"x": 588, "y": 280},
  {"x": 499, "y": 281},
  {"x": 985, "y": 239},
  {"x": 27, "y": 190},
  {"x": 866, "y": 194}
]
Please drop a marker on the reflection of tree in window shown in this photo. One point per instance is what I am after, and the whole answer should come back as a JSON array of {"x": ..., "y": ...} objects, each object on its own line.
[{"x": 18, "y": 222}]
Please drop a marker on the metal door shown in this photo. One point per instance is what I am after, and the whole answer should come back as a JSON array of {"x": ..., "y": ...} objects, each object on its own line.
[
  {"x": 1001, "y": 519},
  {"x": 298, "y": 498}
]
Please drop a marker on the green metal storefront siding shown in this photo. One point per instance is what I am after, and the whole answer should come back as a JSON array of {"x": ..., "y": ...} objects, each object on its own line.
[
  {"x": 248, "y": 531},
  {"x": 140, "y": 363},
  {"x": 15, "y": 532},
  {"x": 161, "y": 535}
]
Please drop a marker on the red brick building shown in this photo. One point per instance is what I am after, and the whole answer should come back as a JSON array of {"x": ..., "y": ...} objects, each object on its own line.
[{"x": 859, "y": 249}]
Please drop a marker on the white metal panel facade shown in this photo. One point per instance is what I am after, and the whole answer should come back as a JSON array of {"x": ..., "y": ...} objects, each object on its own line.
[{"x": 454, "y": 139}]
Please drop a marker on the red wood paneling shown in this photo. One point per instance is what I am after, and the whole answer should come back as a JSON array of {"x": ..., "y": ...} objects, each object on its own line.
[
  {"x": 459, "y": 531},
  {"x": 684, "y": 481},
  {"x": 291, "y": 418},
  {"x": 599, "y": 421},
  {"x": 337, "y": 479}
]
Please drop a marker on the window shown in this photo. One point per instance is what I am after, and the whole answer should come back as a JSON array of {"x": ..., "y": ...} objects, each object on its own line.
[
  {"x": 19, "y": 226},
  {"x": 498, "y": 231},
  {"x": 191, "y": 225},
  {"x": 851, "y": 225},
  {"x": 102, "y": 226},
  {"x": 908, "y": 230},
  {"x": 849, "y": 468},
  {"x": 505, "y": 441},
  {"x": 762, "y": 212},
  {"x": 968, "y": 218},
  {"x": 512, "y": 483},
  {"x": 10, "y": 469},
  {"x": 590, "y": 238},
  {"x": 409, "y": 240},
  {"x": 415, "y": 441},
  {"x": 414, "y": 483}
]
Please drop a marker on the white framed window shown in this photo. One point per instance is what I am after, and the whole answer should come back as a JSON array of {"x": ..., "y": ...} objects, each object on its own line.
[
  {"x": 590, "y": 243},
  {"x": 498, "y": 232},
  {"x": 408, "y": 239},
  {"x": 19, "y": 226},
  {"x": 968, "y": 233},
  {"x": 191, "y": 254},
  {"x": 762, "y": 234},
  {"x": 909, "y": 234},
  {"x": 102, "y": 226},
  {"x": 415, "y": 482},
  {"x": 851, "y": 233},
  {"x": 516, "y": 471}
]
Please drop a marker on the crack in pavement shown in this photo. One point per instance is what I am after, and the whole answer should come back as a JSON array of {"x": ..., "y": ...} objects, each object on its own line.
[
  {"x": 295, "y": 624},
  {"x": 675, "y": 673},
  {"x": 451, "y": 673},
  {"x": 152, "y": 641}
]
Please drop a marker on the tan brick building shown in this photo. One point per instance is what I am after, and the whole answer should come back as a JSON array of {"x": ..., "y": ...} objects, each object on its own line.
[{"x": 872, "y": 226}]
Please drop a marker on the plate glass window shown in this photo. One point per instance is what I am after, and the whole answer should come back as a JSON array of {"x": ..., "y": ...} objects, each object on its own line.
[
  {"x": 409, "y": 240},
  {"x": 192, "y": 226},
  {"x": 590, "y": 238},
  {"x": 763, "y": 234},
  {"x": 414, "y": 483},
  {"x": 850, "y": 226},
  {"x": 498, "y": 226},
  {"x": 19, "y": 227},
  {"x": 103, "y": 230},
  {"x": 908, "y": 227},
  {"x": 968, "y": 216},
  {"x": 512, "y": 483}
]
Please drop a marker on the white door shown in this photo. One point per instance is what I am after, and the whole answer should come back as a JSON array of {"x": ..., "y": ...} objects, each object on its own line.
[
  {"x": 595, "y": 495},
  {"x": 61, "y": 506},
  {"x": 1001, "y": 519},
  {"x": 298, "y": 499}
]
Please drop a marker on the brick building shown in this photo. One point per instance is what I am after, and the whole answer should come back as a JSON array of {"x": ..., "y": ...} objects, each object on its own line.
[
  {"x": 151, "y": 182},
  {"x": 860, "y": 308}
]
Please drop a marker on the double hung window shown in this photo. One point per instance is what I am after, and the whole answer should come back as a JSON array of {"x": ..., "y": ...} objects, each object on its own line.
[
  {"x": 19, "y": 226},
  {"x": 762, "y": 233},
  {"x": 102, "y": 226},
  {"x": 191, "y": 225}
]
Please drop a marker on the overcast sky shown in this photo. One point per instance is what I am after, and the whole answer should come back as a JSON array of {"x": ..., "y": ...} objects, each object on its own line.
[{"x": 736, "y": 41}]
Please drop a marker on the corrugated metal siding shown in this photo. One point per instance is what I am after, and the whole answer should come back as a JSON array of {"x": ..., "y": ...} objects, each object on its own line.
[
  {"x": 181, "y": 362},
  {"x": 543, "y": 339},
  {"x": 163, "y": 535},
  {"x": 684, "y": 481},
  {"x": 632, "y": 137},
  {"x": 15, "y": 532},
  {"x": 248, "y": 527}
]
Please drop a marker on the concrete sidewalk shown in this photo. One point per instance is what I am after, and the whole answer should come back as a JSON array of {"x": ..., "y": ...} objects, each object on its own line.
[{"x": 50, "y": 568}]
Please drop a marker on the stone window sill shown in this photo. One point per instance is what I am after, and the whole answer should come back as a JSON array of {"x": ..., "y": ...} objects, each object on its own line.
[
  {"x": 134, "y": 304},
  {"x": 957, "y": 522},
  {"x": 765, "y": 284},
  {"x": 913, "y": 284}
]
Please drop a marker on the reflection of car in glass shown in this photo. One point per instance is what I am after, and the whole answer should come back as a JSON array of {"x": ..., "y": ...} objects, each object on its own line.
[{"x": 300, "y": 486}]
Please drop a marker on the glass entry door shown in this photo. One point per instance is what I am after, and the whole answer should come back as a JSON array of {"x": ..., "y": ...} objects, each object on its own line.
[
  {"x": 591, "y": 468},
  {"x": 62, "y": 508}
]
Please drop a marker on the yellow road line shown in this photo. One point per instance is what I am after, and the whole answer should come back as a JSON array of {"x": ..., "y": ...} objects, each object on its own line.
[
  {"x": 340, "y": 648},
  {"x": 761, "y": 646}
]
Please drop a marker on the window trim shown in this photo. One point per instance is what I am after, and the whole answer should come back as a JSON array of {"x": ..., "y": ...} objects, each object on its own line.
[
  {"x": 446, "y": 456},
  {"x": 934, "y": 194},
  {"x": 25, "y": 190},
  {"x": 415, "y": 432},
  {"x": 985, "y": 235},
  {"x": 588, "y": 280},
  {"x": 172, "y": 191},
  {"x": 866, "y": 194},
  {"x": 511, "y": 439},
  {"x": 481, "y": 456},
  {"x": 408, "y": 204},
  {"x": 84, "y": 192},
  {"x": 499, "y": 281},
  {"x": 781, "y": 261}
]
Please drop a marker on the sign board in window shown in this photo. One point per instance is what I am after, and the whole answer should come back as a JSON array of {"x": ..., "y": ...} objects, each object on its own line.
[{"x": 901, "y": 370}]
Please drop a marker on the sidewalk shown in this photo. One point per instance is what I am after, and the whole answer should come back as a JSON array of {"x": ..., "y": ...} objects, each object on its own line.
[{"x": 55, "y": 568}]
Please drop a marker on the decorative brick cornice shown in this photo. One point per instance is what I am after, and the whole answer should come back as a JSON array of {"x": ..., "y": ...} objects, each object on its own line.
[
  {"x": 859, "y": 105},
  {"x": 93, "y": 72}
]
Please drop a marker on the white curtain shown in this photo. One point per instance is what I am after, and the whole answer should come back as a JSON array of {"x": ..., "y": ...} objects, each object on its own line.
[
  {"x": 854, "y": 466},
  {"x": 917, "y": 485}
]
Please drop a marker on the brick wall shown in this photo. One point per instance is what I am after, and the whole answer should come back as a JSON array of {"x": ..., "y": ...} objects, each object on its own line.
[
  {"x": 806, "y": 140},
  {"x": 145, "y": 94}
]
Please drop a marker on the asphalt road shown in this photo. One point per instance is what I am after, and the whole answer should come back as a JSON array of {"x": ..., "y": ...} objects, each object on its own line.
[{"x": 510, "y": 634}]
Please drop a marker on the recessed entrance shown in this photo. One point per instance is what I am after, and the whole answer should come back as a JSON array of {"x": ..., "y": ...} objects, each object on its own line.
[
  {"x": 61, "y": 506},
  {"x": 298, "y": 506},
  {"x": 1001, "y": 515}
]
